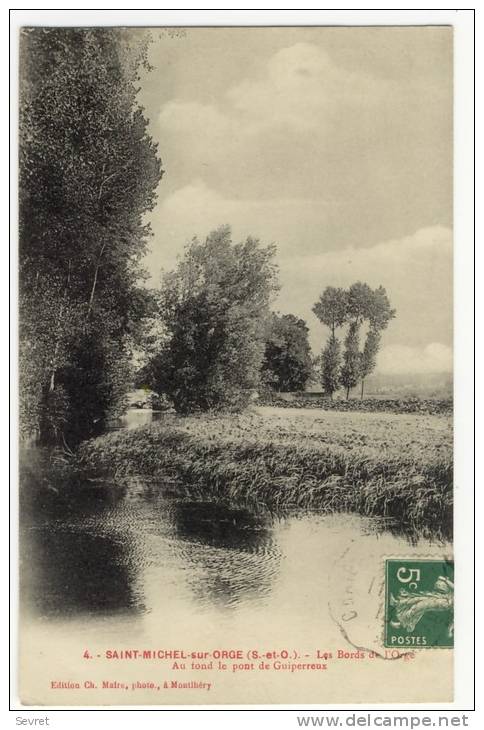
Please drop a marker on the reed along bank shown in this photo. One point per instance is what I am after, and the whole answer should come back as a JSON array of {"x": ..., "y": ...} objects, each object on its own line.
[{"x": 382, "y": 464}]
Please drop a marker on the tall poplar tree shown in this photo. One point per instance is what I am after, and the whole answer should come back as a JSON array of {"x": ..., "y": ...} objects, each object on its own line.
[
  {"x": 350, "y": 371},
  {"x": 332, "y": 310},
  {"x": 378, "y": 313},
  {"x": 331, "y": 366},
  {"x": 88, "y": 172}
]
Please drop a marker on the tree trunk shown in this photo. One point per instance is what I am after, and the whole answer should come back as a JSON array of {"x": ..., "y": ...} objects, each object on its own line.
[
  {"x": 94, "y": 282},
  {"x": 98, "y": 262},
  {"x": 347, "y": 393},
  {"x": 362, "y": 388},
  {"x": 52, "y": 375},
  {"x": 58, "y": 330}
]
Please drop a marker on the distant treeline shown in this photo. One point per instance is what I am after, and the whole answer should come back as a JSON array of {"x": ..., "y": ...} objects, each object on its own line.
[{"x": 424, "y": 406}]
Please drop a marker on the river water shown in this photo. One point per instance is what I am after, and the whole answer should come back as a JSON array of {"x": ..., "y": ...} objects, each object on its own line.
[{"x": 109, "y": 568}]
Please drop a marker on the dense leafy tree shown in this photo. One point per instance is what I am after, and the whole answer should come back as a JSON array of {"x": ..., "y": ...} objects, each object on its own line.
[
  {"x": 287, "y": 360},
  {"x": 215, "y": 307},
  {"x": 88, "y": 173}
]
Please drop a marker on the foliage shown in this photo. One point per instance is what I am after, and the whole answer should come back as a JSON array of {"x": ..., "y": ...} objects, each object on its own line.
[
  {"x": 88, "y": 173},
  {"x": 368, "y": 356},
  {"x": 215, "y": 307},
  {"x": 350, "y": 371},
  {"x": 331, "y": 366},
  {"x": 359, "y": 299},
  {"x": 287, "y": 362},
  {"x": 332, "y": 308},
  {"x": 379, "y": 312}
]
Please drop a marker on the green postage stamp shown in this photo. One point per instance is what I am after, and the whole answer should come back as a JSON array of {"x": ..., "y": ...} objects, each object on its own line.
[{"x": 419, "y": 603}]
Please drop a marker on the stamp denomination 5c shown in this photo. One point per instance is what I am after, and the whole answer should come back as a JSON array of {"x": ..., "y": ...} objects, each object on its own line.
[{"x": 419, "y": 603}]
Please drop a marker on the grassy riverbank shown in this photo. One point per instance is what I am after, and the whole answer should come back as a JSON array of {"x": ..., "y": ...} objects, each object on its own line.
[{"x": 375, "y": 464}]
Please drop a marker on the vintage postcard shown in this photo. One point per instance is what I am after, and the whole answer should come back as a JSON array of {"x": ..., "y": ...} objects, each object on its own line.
[{"x": 236, "y": 365}]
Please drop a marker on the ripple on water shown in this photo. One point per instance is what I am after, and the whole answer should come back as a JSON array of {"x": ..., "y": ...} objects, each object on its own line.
[{"x": 112, "y": 550}]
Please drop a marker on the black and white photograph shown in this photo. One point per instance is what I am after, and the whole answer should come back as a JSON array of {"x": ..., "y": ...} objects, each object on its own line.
[{"x": 236, "y": 364}]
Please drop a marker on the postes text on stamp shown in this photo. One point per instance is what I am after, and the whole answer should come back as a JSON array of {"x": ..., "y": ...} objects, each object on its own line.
[{"x": 419, "y": 603}]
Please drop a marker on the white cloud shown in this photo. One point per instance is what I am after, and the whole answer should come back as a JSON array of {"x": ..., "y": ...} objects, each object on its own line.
[
  {"x": 300, "y": 124},
  {"x": 299, "y": 87},
  {"x": 416, "y": 272},
  {"x": 196, "y": 209},
  {"x": 401, "y": 359},
  {"x": 402, "y": 255}
]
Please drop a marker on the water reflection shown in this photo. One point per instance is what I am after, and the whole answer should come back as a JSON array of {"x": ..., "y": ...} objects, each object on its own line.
[
  {"x": 135, "y": 548},
  {"x": 233, "y": 553},
  {"x": 107, "y": 548},
  {"x": 68, "y": 571},
  {"x": 133, "y": 418},
  {"x": 221, "y": 527}
]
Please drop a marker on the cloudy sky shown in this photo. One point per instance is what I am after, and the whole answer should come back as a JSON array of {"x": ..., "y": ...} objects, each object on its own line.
[{"x": 333, "y": 143}]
